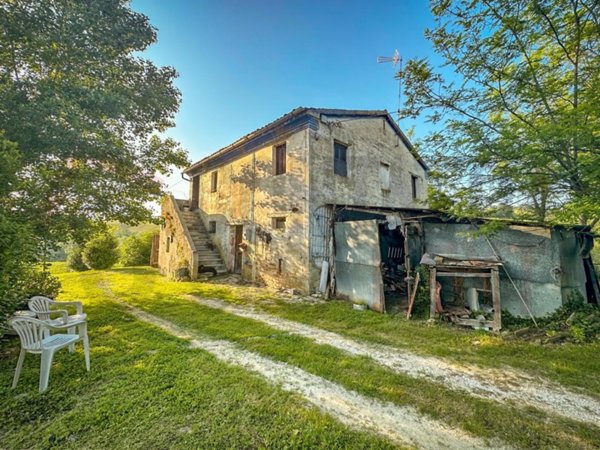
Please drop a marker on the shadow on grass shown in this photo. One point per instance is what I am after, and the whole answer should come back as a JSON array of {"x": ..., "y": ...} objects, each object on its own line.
[{"x": 137, "y": 270}]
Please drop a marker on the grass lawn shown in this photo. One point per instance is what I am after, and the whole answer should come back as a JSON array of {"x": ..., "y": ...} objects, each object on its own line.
[{"x": 147, "y": 388}]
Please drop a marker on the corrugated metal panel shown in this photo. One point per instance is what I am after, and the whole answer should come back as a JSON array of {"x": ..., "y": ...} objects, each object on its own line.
[{"x": 358, "y": 263}]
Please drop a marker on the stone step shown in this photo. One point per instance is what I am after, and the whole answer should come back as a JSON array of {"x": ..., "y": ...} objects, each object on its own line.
[
  {"x": 212, "y": 262},
  {"x": 207, "y": 252}
]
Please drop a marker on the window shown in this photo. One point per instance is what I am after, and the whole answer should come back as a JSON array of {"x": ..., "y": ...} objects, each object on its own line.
[
  {"x": 413, "y": 180},
  {"x": 340, "y": 156},
  {"x": 213, "y": 181},
  {"x": 384, "y": 176},
  {"x": 279, "y": 159},
  {"x": 212, "y": 227},
  {"x": 280, "y": 266},
  {"x": 279, "y": 223}
]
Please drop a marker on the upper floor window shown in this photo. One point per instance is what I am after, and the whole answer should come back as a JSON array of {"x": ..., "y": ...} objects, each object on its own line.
[
  {"x": 384, "y": 176},
  {"x": 214, "y": 181},
  {"x": 340, "y": 159},
  {"x": 414, "y": 180},
  {"x": 279, "y": 157}
]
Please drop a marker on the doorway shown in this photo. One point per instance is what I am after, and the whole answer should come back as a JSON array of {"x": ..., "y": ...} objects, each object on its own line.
[{"x": 238, "y": 252}]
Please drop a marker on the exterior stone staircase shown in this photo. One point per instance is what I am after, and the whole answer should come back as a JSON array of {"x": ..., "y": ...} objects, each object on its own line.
[{"x": 208, "y": 255}]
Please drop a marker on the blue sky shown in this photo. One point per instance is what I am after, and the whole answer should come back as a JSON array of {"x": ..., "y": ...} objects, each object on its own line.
[{"x": 242, "y": 64}]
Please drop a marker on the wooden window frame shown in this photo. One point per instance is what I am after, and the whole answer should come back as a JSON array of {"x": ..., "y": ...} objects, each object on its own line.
[
  {"x": 280, "y": 159},
  {"x": 344, "y": 160},
  {"x": 277, "y": 221},
  {"x": 214, "y": 181},
  {"x": 385, "y": 184},
  {"x": 413, "y": 186}
]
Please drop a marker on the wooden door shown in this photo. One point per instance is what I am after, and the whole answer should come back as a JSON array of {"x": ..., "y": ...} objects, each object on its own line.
[{"x": 195, "y": 192}]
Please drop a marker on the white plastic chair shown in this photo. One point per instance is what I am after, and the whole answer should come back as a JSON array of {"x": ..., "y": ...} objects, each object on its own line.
[
  {"x": 35, "y": 339},
  {"x": 44, "y": 308}
]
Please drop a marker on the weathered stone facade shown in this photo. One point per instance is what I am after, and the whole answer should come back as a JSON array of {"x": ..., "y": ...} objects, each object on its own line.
[
  {"x": 238, "y": 186},
  {"x": 175, "y": 248}
]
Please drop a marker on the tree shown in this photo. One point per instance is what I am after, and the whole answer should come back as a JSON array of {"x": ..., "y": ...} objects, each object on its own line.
[
  {"x": 101, "y": 251},
  {"x": 20, "y": 274},
  {"x": 516, "y": 105},
  {"x": 85, "y": 111},
  {"x": 136, "y": 249}
]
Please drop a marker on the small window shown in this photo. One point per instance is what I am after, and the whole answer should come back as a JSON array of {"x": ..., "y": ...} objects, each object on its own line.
[
  {"x": 340, "y": 159},
  {"x": 414, "y": 180},
  {"x": 279, "y": 223},
  {"x": 212, "y": 227},
  {"x": 384, "y": 176},
  {"x": 214, "y": 181},
  {"x": 279, "y": 157},
  {"x": 280, "y": 266},
  {"x": 168, "y": 246}
]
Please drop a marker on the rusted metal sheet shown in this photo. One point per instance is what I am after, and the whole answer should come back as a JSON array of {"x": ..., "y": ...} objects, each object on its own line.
[{"x": 358, "y": 263}]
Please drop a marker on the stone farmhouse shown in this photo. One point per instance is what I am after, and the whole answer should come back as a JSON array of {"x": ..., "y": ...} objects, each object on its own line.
[
  {"x": 259, "y": 206},
  {"x": 335, "y": 201}
]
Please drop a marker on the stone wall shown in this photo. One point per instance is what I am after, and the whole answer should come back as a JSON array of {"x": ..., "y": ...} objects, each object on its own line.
[
  {"x": 175, "y": 249},
  {"x": 248, "y": 191},
  {"x": 371, "y": 142}
]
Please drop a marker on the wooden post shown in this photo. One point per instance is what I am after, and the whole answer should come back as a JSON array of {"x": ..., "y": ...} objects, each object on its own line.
[
  {"x": 432, "y": 282},
  {"x": 496, "y": 299}
]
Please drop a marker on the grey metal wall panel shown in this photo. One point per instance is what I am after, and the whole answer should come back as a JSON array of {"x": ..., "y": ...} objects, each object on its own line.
[{"x": 358, "y": 263}]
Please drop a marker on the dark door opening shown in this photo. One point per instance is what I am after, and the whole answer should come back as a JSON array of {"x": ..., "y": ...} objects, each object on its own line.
[
  {"x": 393, "y": 268},
  {"x": 238, "y": 251},
  {"x": 195, "y": 192}
]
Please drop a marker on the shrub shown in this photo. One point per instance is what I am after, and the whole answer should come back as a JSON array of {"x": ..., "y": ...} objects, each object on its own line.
[
  {"x": 422, "y": 298},
  {"x": 75, "y": 260},
  {"x": 136, "y": 250},
  {"x": 101, "y": 251}
]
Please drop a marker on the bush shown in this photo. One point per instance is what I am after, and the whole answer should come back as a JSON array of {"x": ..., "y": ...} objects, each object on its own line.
[
  {"x": 101, "y": 252},
  {"x": 75, "y": 260},
  {"x": 136, "y": 250},
  {"x": 575, "y": 321}
]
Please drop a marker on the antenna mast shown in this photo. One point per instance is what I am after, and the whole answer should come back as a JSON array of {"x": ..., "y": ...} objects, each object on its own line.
[{"x": 396, "y": 60}]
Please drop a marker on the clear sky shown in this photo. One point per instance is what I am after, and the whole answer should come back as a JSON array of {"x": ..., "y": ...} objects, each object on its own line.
[{"x": 243, "y": 63}]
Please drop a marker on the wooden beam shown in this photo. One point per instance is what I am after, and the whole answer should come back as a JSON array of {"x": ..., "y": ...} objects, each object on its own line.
[
  {"x": 432, "y": 281},
  {"x": 496, "y": 300},
  {"x": 465, "y": 274}
]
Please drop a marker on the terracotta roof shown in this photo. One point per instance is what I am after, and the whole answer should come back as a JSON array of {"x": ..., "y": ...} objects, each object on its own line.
[{"x": 296, "y": 113}]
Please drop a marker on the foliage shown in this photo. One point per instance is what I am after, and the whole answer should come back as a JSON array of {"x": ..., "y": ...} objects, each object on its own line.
[
  {"x": 576, "y": 321},
  {"x": 516, "y": 105},
  {"x": 85, "y": 109},
  {"x": 20, "y": 274},
  {"x": 40, "y": 282},
  {"x": 422, "y": 302},
  {"x": 101, "y": 251},
  {"x": 136, "y": 249},
  {"x": 75, "y": 260}
]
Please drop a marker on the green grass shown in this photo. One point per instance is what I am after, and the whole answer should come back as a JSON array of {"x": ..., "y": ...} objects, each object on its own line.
[
  {"x": 570, "y": 364},
  {"x": 483, "y": 418},
  {"x": 149, "y": 390},
  {"x": 148, "y": 387}
]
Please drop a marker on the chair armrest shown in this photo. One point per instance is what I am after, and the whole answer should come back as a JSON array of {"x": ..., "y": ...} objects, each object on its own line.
[
  {"x": 77, "y": 305},
  {"x": 63, "y": 312}
]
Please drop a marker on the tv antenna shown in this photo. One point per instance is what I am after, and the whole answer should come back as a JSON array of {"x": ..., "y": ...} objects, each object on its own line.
[{"x": 396, "y": 60}]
